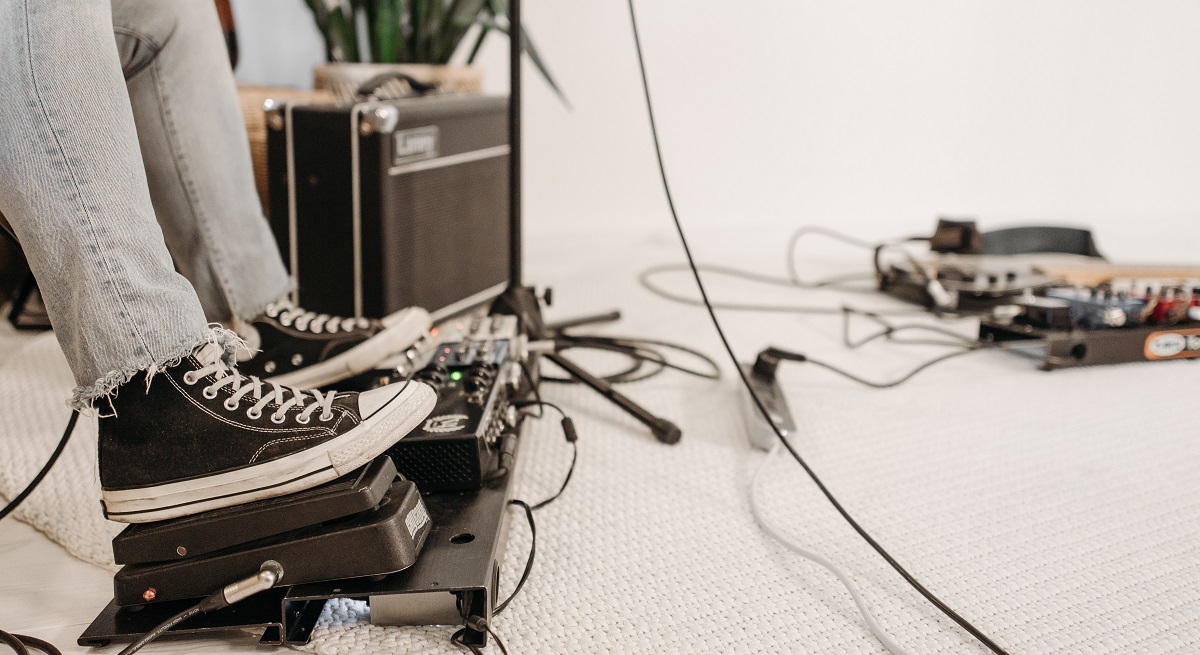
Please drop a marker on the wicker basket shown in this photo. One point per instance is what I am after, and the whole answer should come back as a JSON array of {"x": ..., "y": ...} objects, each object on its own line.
[{"x": 342, "y": 80}]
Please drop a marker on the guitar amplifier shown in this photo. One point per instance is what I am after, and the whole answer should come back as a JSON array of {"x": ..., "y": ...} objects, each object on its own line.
[{"x": 387, "y": 204}]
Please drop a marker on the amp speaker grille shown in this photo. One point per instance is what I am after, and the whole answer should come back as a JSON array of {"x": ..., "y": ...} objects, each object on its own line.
[{"x": 449, "y": 243}]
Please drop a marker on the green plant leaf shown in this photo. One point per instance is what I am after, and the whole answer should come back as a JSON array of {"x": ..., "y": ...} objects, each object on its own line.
[
  {"x": 483, "y": 32},
  {"x": 369, "y": 8},
  {"x": 530, "y": 51},
  {"x": 321, "y": 18},
  {"x": 386, "y": 31},
  {"x": 403, "y": 27},
  {"x": 433, "y": 29},
  {"x": 528, "y": 48},
  {"x": 417, "y": 31},
  {"x": 416, "y": 42},
  {"x": 460, "y": 18},
  {"x": 343, "y": 35}
]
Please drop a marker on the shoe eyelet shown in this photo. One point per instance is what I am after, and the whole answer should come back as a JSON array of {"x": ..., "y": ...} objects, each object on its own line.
[
  {"x": 189, "y": 379},
  {"x": 303, "y": 420},
  {"x": 231, "y": 405},
  {"x": 253, "y": 415},
  {"x": 326, "y": 416},
  {"x": 297, "y": 359},
  {"x": 278, "y": 418},
  {"x": 209, "y": 392}
]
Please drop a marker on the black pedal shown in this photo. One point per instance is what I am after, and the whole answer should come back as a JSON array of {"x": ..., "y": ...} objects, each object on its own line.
[
  {"x": 205, "y": 533},
  {"x": 458, "y": 446},
  {"x": 376, "y": 542}
]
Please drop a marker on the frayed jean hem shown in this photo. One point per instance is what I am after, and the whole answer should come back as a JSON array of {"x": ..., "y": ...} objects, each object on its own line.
[{"x": 83, "y": 398}]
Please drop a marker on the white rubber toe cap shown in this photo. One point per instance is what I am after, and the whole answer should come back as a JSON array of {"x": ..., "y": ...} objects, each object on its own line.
[
  {"x": 416, "y": 316},
  {"x": 417, "y": 396}
]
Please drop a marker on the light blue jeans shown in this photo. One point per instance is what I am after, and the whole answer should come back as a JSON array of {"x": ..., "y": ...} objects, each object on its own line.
[{"x": 125, "y": 172}]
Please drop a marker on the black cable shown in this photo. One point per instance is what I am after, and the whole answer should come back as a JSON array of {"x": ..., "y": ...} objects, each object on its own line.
[
  {"x": 62, "y": 444},
  {"x": 14, "y": 642},
  {"x": 268, "y": 576},
  {"x": 19, "y": 643},
  {"x": 639, "y": 361},
  {"x": 648, "y": 345},
  {"x": 160, "y": 629},
  {"x": 837, "y": 282},
  {"x": 566, "y": 479},
  {"x": 937, "y": 602},
  {"x": 644, "y": 281},
  {"x": 457, "y": 637},
  {"x": 880, "y": 385},
  {"x": 640, "y": 352},
  {"x": 888, "y": 330},
  {"x": 529, "y": 562},
  {"x": 22, "y": 643},
  {"x": 499, "y": 641},
  {"x": 457, "y": 640},
  {"x": 572, "y": 438},
  {"x": 794, "y": 240},
  {"x": 794, "y": 280}
]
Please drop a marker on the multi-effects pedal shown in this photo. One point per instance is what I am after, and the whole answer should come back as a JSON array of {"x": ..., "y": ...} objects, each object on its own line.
[{"x": 475, "y": 367}]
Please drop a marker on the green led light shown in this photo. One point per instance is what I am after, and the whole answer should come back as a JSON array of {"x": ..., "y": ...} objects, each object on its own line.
[{"x": 456, "y": 376}]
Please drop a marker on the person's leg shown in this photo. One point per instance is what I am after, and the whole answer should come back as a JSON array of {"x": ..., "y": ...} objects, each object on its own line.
[
  {"x": 198, "y": 163},
  {"x": 187, "y": 432},
  {"x": 73, "y": 186},
  {"x": 193, "y": 142}
]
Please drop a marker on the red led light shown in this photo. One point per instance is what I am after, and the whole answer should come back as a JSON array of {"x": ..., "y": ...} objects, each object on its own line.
[
  {"x": 441, "y": 359},
  {"x": 149, "y": 594}
]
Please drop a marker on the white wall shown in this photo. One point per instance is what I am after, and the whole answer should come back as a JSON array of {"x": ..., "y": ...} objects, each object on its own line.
[{"x": 871, "y": 116}]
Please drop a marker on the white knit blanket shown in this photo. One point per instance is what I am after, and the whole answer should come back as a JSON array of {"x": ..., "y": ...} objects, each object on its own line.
[{"x": 1059, "y": 511}]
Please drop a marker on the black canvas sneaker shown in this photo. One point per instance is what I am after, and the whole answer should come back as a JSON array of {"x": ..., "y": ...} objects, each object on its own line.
[
  {"x": 199, "y": 436},
  {"x": 306, "y": 350}
]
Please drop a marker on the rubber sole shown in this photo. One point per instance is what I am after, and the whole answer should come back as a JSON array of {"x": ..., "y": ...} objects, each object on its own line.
[
  {"x": 404, "y": 328},
  {"x": 296, "y": 472}
]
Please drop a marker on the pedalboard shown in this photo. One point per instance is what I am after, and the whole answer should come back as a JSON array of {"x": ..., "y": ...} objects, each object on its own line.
[
  {"x": 1058, "y": 333},
  {"x": 964, "y": 284}
]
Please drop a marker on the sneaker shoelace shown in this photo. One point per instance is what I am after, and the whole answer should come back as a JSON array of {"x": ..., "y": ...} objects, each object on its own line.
[
  {"x": 304, "y": 320},
  {"x": 242, "y": 386}
]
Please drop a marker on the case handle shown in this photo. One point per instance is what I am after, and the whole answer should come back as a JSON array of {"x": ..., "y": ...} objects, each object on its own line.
[{"x": 372, "y": 86}]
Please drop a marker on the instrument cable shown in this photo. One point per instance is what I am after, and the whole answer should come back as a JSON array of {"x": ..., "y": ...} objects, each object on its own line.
[
  {"x": 908, "y": 577},
  {"x": 529, "y": 562},
  {"x": 641, "y": 352},
  {"x": 62, "y": 444},
  {"x": 773, "y": 532},
  {"x": 20, "y": 644},
  {"x": 269, "y": 574},
  {"x": 838, "y": 282}
]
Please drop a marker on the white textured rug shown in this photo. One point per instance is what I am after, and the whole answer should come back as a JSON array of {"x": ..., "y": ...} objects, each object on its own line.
[
  {"x": 1058, "y": 511},
  {"x": 35, "y": 384}
]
